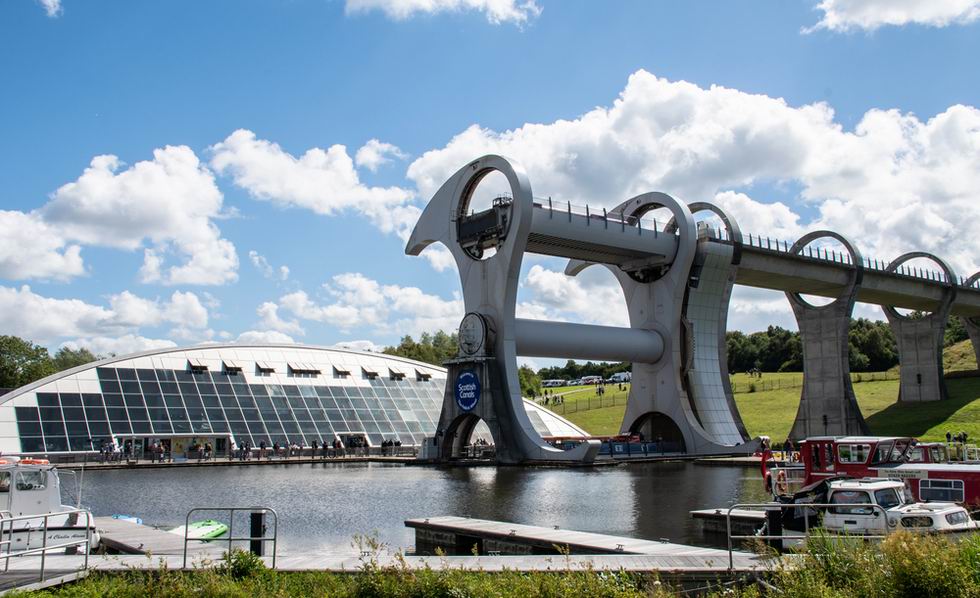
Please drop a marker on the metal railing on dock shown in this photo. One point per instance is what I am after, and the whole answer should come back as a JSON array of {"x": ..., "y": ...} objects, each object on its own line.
[
  {"x": 806, "y": 522},
  {"x": 7, "y": 531},
  {"x": 260, "y": 540}
]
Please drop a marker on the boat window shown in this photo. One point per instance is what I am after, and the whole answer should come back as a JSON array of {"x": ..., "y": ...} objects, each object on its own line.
[
  {"x": 938, "y": 454},
  {"x": 941, "y": 490},
  {"x": 887, "y": 498},
  {"x": 916, "y": 456},
  {"x": 921, "y": 521},
  {"x": 883, "y": 451},
  {"x": 957, "y": 518},
  {"x": 850, "y": 497},
  {"x": 4, "y": 481},
  {"x": 899, "y": 451},
  {"x": 30, "y": 480},
  {"x": 853, "y": 453},
  {"x": 828, "y": 456}
]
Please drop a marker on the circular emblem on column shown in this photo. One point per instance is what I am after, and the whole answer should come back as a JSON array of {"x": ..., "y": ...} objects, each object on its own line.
[
  {"x": 472, "y": 334},
  {"x": 467, "y": 390}
]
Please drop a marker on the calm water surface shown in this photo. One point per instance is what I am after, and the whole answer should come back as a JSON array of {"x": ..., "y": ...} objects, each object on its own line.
[{"x": 322, "y": 506}]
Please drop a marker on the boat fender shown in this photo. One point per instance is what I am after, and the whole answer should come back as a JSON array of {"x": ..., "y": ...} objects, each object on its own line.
[
  {"x": 781, "y": 486},
  {"x": 34, "y": 461}
]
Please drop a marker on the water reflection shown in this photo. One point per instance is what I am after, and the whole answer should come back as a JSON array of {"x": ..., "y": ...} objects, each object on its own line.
[{"x": 323, "y": 506}]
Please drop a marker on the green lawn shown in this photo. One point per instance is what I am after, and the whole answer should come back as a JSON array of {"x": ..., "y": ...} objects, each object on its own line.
[{"x": 772, "y": 413}]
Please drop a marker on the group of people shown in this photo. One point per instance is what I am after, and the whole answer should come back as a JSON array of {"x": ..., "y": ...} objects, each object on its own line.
[
  {"x": 390, "y": 447},
  {"x": 357, "y": 446},
  {"x": 204, "y": 452},
  {"x": 109, "y": 451}
]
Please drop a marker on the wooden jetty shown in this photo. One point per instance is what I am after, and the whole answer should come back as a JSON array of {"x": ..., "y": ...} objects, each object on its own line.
[
  {"x": 745, "y": 522},
  {"x": 127, "y": 537},
  {"x": 494, "y": 538}
]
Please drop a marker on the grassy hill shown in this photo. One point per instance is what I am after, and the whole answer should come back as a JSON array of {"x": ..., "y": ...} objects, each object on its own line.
[
  {"x": 771, "y": 412},
  {"x": 959, "y": 357}
]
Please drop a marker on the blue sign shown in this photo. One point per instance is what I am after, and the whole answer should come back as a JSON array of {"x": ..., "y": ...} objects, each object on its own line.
[{"x": 467, "y": 390}]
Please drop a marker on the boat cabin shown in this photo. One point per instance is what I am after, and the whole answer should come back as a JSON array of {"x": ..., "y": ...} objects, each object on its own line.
[
  {"x": 29, "y": 489},
  {"x": 879, "y": 507}
]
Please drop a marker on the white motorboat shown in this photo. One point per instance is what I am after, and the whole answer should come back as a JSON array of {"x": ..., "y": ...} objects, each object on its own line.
[
  {"x": 30, "y": 490},
  {"x": 874, "y": 507}
]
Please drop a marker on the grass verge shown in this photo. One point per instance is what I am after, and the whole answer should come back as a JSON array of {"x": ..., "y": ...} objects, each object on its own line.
[
  {"x": 901, "y": 566},
  {"x": 772, "y": 413}
]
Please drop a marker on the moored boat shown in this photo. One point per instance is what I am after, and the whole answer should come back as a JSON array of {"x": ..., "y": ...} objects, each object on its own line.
[
  {"x": 927, "y": 471},
  {"x": 29, "y": 490},
  {"x": 872, "y": 507}
]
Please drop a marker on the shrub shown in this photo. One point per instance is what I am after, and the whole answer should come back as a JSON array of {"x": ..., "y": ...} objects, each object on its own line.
[{"x": 240, "y": 564}]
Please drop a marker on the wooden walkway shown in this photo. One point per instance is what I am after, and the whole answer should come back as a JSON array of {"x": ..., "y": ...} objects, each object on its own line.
[
  {"x": 547, "y": 538},
  {"x": 744, "y": 521},
  {"x": 132, "y": 538}
]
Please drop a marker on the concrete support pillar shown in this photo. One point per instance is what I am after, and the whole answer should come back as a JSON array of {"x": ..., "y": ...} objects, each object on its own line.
[
  {"x": 973, "y": 324},
  {"x": 920, "y": 340},
  {"x": 827, "y": 402}
]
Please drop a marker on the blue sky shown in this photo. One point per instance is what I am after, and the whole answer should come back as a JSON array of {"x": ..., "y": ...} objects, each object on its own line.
[{"x": 236, "y": 127}]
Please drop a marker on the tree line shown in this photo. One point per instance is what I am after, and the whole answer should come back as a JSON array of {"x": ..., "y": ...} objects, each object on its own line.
[
  {"x": 23, "y": 362},
  {"x": 872, "y": 348},
  {"x": 871, "y": 344}
]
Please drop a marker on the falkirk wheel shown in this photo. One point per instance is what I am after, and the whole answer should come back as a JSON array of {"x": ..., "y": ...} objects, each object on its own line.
[{"x": 676, "y": 285}]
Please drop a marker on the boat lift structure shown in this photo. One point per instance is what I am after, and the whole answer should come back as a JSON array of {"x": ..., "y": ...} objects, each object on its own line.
[{"x": 677, "y": 283}]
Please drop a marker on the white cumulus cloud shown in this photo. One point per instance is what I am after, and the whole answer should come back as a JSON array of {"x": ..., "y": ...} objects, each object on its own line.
[
  {"x": 169, "y": 202},
  {"x": 353, "y": 300},
  {"x": 496, "y": 11},
  {"x": 264, "y": 337},
  {"x": 51, "y": 7},
  {"x": 165, "y": 206},
  {"x": 46, "y": 320},
  {"x": 895, "y": 183},
  {"x": 868, "y": 15},
  {"x": 119, "y": 345},
  {"x": 262, "y": 265},
  {"x": 30, "y": 248},
  {"x": 322, "y": 180},
  {"x": 374, "y": 154}
]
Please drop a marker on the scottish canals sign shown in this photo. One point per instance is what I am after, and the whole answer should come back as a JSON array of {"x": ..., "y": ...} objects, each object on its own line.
[{"x": 467, "y": 390}]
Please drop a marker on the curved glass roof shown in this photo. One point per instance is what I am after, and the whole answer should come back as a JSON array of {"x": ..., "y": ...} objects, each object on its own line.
[{"x": 254, "y": 393}]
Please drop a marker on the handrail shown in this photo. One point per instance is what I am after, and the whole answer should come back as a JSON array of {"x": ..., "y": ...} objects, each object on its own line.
[
  {"x": 7, "y": 526},
  {"x": 231, "y": 526},
  {"x": 806, "y": 521}
]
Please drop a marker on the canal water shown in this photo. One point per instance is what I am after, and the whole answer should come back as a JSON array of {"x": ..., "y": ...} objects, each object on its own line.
[{"x": 323, "y": 506}]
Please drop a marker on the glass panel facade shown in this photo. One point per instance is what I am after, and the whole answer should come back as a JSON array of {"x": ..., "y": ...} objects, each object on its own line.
[{"x": 165, "y": 402}]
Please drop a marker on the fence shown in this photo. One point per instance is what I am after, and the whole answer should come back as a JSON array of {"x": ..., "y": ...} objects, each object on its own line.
[
  {"x": 574, "y": 405},
  {"x": 763, "y": 385}
]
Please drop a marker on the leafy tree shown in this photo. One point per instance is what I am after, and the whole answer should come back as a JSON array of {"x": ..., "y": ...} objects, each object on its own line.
[
  {"x": 67, "y": 358},
  {"x": 955, "y": 331},
  {"x": 530, "y": 382},
  {"x": 872, "y": 346},
  {"x": 431, "y": 348},
  {"x": 22, "y": 362}
]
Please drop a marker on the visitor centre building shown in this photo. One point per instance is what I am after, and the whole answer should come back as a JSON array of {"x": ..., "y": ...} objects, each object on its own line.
[{"x": 236, "y": 393}]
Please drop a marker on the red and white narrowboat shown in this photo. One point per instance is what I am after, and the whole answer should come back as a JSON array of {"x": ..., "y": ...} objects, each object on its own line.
[{"x": 925, "y": 468}]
